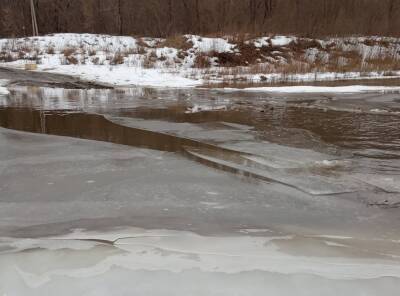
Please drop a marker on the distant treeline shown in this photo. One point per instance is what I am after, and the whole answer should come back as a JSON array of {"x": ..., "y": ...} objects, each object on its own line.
[{"x": 169, "y": 17}]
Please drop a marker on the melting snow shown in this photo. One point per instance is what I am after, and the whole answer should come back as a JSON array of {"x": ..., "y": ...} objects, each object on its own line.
[
  {"x": 122, "y": 60},
  {"x": 206, "y": 45},
  {"x": 320, "y": 89},
  {"x": 281, "y": 40},
  {"x": 3, "y": 91}
]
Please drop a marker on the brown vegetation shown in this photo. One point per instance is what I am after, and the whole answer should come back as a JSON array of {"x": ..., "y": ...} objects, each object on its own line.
[
  {"x": 69, "y": 51},
  {"x": 117, "y": 59},
  {"x": 173, "y": 17},
  {"x": 50, "y": 50},
  {"x": 71, "y": 60},
  {"x": 6, "y": 57},
  {"x": 202, "y": 61},
  {"x": 176, "y": 41}
]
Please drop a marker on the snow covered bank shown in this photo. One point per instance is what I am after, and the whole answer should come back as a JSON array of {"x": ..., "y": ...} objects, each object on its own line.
[
  {"x": 189, "y": 60},
  {"x": 125, "y": 76}
]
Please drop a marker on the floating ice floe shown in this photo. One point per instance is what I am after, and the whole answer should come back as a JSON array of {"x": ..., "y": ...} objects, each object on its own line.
[{"x": 200, "y": 108}]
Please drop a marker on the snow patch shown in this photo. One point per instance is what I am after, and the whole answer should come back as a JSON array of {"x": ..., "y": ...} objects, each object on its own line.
[
  {"x": 206, "y": 45},
  {"x": 125, "y": 76},
  {"x": 319, "y": 89},
  {"x": 281, "y": 40},
  {"x": 3, "y": 91},
  {"x": 200, "y": 108}
]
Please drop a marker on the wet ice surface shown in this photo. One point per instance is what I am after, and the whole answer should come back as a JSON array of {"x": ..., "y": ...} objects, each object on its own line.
[{"x": 277, "y": 195}]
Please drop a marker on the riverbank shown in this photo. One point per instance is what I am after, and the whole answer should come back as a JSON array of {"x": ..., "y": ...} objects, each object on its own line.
[{"x": 192, "y": 61}]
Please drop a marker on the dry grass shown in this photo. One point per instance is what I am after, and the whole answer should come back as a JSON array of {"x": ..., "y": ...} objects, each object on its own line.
[
  {"x": 382, "y": 64},
  {"x": 50, "y": 50},
  {"x": 301, "y": 56},
  {"x": 176, "y": 41},
  {"x": 71, "y": 60},
  {"x": 117, "y": 59},
  {"x": 92, "y": 52},
  {"x": 7, "y": 57},
  {"x": 21, "y": 55},
  {"x": 141, "y": 50},
  {"x": 162, "y": 58},
  {"x": 202, "y": 61},
  {"x": 96, "y": 60},
  {"x": 377, "y": 42},
  {"x": 150, "y": 60},
  {"x": 130, "y": 50},
  {"x": 69, "y": 51},
  {"x": 241, "y": 38},
  {"x": 301, "y": 45},
  {"x": 141, "y": 43}
]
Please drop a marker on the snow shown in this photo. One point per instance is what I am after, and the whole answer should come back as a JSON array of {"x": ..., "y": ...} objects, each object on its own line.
[
  {"x": 277, "y": 41},
  {"x": 123, "y": 60},
  {"x": 281, "y": 40},
  {"x": 260, "y": 42},
  {"x": 201, "y": 108},
  {"x": 3, "y": 91},
  {"x": 124, "y": 76},
  {"x": 87, "y": 41},
  {"x": 205, "y": 45},
  {"x": 315, "y": 76},
  {"x": 319, "y": 89}
]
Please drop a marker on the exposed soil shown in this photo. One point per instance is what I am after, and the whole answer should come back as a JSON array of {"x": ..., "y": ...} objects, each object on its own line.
[{"x": 29, "y": 78}]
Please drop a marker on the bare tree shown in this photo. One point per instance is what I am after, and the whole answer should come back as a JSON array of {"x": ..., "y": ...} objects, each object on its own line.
[
  {"x": 35, "y": 30},
  {"x": 165, "y": 17}
]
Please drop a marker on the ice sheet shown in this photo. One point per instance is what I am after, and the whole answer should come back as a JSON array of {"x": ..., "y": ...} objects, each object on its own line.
[{"x": 129, "y": 259}]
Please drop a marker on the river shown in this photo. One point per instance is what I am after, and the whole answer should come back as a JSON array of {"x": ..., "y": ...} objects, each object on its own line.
[{"x": 121, "y": 191}]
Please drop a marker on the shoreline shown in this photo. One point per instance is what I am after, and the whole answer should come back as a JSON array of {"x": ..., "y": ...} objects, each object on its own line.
[{"x": 196, "y": 61}]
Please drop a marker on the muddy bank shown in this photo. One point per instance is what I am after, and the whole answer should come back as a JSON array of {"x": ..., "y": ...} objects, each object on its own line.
[{"x": 30, "y": 78}]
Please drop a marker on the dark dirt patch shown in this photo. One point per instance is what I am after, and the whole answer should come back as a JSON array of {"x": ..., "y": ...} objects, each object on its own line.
[{"x": 29, "y": 78}]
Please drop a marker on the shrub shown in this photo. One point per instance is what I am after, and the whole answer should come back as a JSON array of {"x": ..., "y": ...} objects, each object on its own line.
[
  {"x": 302, "y": 45},
  {"x": 71, "y": 60},
  {"x": 21, "y": 54},
  {"x": 150, "y": 60},
  {"x": 7, "y": 57},
  {"x": 202, "y": 61},
  {"x": 50, "y": 50},
  {"x": 141, "y": 50},
  {"x": 162, "y": 58},
  {"x": 96, "y": 60},
  {"x": 92, "y": 52},
  {"x": 69, "y": 51},
  {"x": 141, "y": 43},
  {"x": 177, "y": 41},
  {"x": 117, "y": 59}
]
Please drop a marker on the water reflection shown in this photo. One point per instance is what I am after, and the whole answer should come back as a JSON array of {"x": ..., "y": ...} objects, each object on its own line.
[{"x": 286, "y": 122}]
